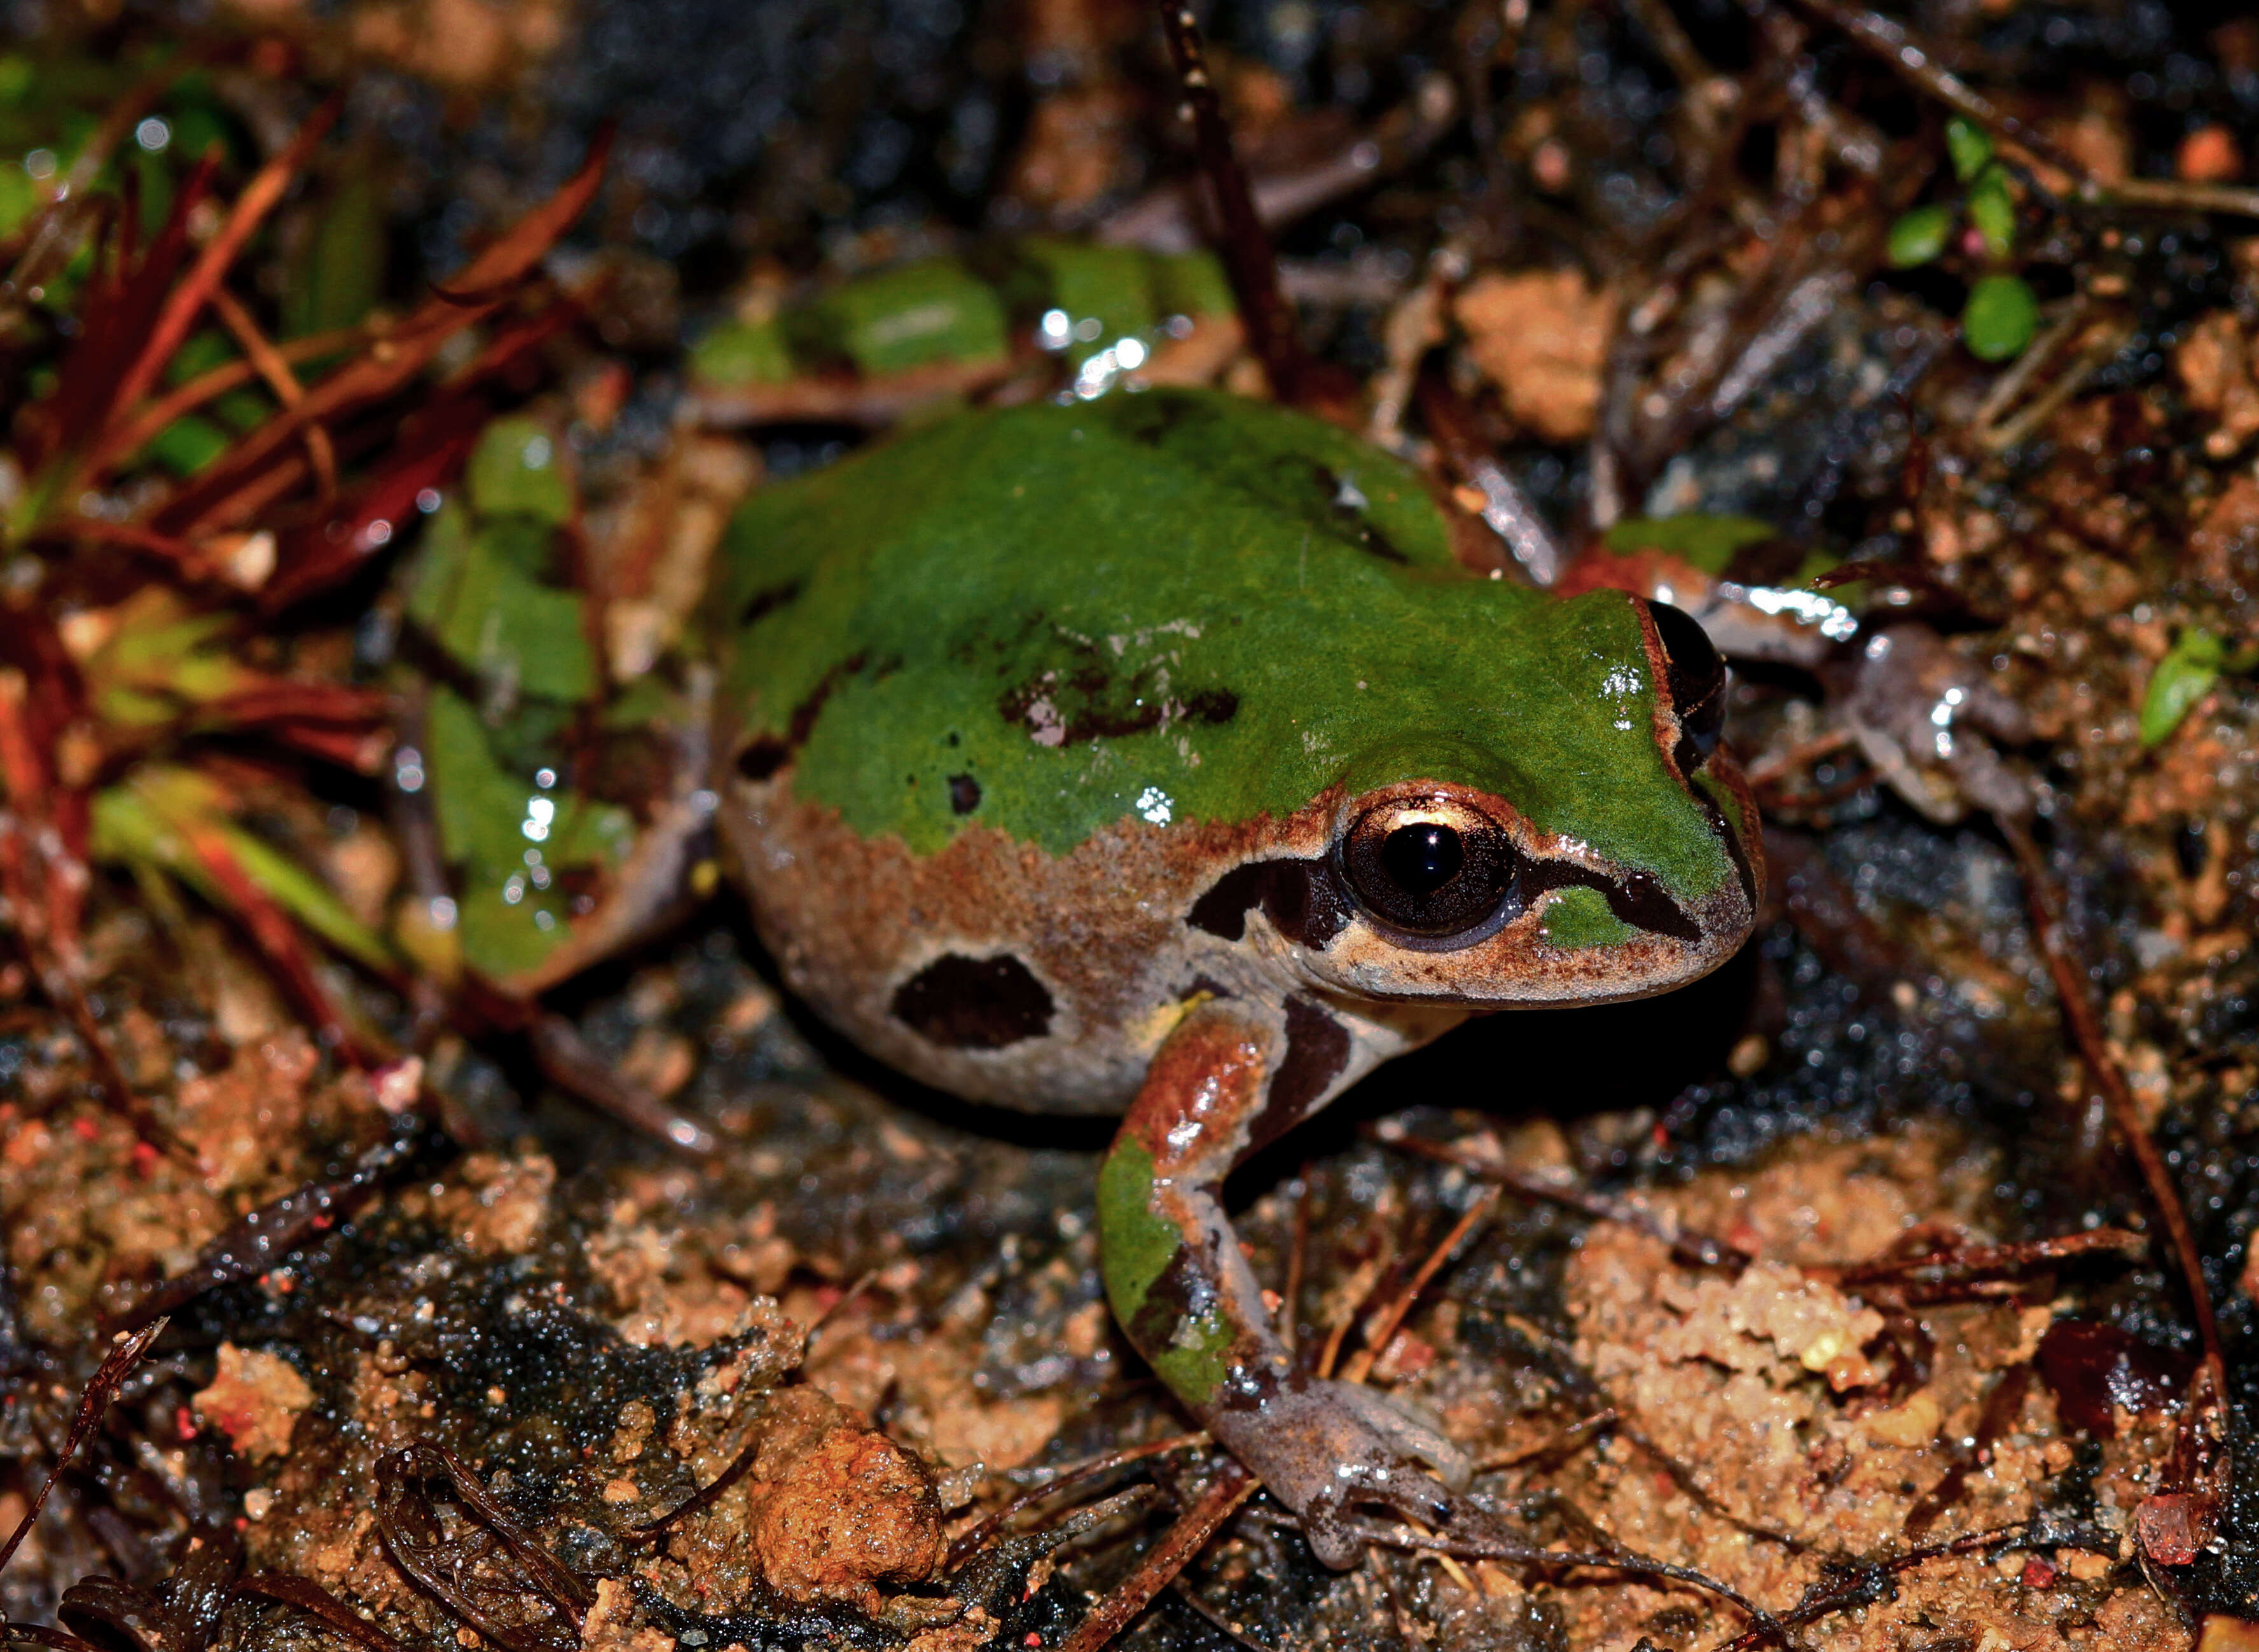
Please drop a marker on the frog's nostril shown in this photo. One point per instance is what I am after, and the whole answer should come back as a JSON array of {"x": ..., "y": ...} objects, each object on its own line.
[{"x": 1422, "y": 857}]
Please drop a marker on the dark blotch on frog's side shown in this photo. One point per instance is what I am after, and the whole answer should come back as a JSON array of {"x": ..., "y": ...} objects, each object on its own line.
[
  {"x": 1171, "y": 1298},
  {"x": 1300, "y": 898},
  {"x": 964, "y": 793},
  {"x": 1317, "y": 1050},
  {"x": 974, "y": 1003}
]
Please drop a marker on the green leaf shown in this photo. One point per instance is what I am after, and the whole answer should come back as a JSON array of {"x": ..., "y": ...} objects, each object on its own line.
[
  {"x": 515, "y": 470},
  {"x": 142, "y": 823},
  {"x": 1992, "y": 210},
  {"x": 1708, "y": 542},
  {"x": 342, "y": 274},
  {"x": 742, "y": 353},
  {"x": 1191, "y": 284},
  {"x": 1968, "y": 145},
  {"x": 2000, "y": 318},
  {"x": 187, "y": 444},
  {"x": 203, "y": 351},
  {"x": 506, "y": 834},
  {"x": 479, "y": 595},
  {"x": 1918, "y": 236},
  {"x": 913, "y": 316},
  {"x": 1105, "y": 292},
  {"x": 18, "y": 198},
  {"x": 2182, "y": 678}
]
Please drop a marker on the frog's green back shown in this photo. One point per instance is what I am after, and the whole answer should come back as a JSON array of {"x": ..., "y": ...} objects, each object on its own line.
[{"x": 1172, "y": 606}]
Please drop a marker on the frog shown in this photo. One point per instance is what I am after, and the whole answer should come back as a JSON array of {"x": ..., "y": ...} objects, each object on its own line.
[{"x": 1182, "y": 756}]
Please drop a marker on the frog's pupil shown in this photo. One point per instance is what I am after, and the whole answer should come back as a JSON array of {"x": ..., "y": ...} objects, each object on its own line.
[{"x": 1422, "y": 857}]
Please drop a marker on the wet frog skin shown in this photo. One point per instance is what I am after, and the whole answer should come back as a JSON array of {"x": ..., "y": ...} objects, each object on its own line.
[{"x": 1158, "y": 754}]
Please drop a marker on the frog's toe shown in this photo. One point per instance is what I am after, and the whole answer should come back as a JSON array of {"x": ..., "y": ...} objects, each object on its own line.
[
  {"x": 1335, "y": 1452},
  {"x": 1417, "y": 1437}
]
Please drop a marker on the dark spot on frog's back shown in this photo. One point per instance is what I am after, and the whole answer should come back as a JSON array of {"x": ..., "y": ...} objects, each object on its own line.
[
  {"x": 974, "y": 1003},
  {"x": 768, "y": 752},
  {"x": 1151, "y": 418},
  {"x": 762, "y": 603},
  {"x": 964, "y": 793},
  {"x": 1298, "y": 896},
  {"x": 1348, "y": 506}
]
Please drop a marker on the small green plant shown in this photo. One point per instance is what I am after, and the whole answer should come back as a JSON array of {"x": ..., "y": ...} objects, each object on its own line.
[
  {"x": 2002, "y": 313},
  {"x": 2197, "y": 660}
]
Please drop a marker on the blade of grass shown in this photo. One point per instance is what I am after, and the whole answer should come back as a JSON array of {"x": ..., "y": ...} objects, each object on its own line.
[{"x": 185, "y": 302}]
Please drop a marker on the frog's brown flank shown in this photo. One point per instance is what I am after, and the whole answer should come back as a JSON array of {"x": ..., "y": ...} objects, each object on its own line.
[{"x": 974, "y": 1003}]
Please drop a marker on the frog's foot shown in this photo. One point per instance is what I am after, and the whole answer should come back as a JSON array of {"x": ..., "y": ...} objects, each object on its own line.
[
  {"x": 1334, "y": 1453},
  {"x": 1930, "y": 721}
]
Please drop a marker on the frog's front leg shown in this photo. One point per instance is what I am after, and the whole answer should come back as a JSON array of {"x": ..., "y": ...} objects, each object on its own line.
[{"x": 1183, "y": 1290}]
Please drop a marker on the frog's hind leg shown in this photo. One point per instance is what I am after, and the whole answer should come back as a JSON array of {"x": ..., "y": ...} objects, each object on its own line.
[{"x": 1224, "y": 1084}]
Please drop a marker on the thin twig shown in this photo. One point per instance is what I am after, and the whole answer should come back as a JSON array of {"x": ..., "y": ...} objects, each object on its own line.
[
  {"x": 1693, "y": 1249},
  {"x": 1232, "y": 1486},
  {"x": 271, "y": 366},
  {"x": 962, "y": 1546},
  {"x": 1247, "y": 255},
  {"x": 1383, "y": 1325},
  {"x": 125, "y": 1351},
  {"x": 230, "y": 375},
  {"x": 2070, "y": 986}
]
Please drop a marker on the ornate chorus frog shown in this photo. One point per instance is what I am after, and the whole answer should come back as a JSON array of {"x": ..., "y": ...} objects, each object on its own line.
[{"x": 1158, "y": 754}]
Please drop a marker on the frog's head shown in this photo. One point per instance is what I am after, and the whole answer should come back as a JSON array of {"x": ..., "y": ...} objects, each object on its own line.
[{"x": 1590, "y": 842}]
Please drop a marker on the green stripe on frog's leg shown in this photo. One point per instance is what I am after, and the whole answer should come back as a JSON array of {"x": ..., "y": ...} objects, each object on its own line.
[
  {"x": 1174, "y": 1274},
  {"x": 1223, "y": 1083}
]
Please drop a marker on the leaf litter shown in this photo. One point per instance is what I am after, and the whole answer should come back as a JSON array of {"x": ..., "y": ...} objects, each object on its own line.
[{"x": 1851, "y": 1315}]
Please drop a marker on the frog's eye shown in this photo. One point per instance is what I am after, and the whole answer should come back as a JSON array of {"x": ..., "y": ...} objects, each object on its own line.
[
  {"x": 1431, "y": 867},
  {"x": 1696, "y": 680}
]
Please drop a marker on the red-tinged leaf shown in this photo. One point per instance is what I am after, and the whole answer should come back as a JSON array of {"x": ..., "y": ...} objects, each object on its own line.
[
  {"x": 178, "y": 553},
  {"x": 115, "y": 325},
  {"x": 2093, "y": 1369},
  {"x": 393, "y": 362},
  {"x": 363, "y": 754},
  {"x": 525, "y": 243},
  {"x": 29, "y": 641},
  {"x": 297, "y": 700},
  {"x": 431, "y": 455},
  {"x": 185, "y": 302},
  {"x": 276, "y": 937}
]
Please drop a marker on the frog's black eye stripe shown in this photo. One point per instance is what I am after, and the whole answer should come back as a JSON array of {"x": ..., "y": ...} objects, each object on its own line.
[
  {"x": 1430, "y": 866},
  {"x": 1696, "y": 681}
]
